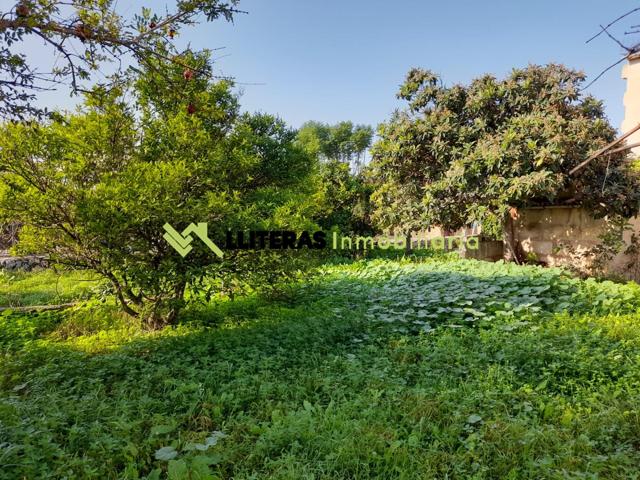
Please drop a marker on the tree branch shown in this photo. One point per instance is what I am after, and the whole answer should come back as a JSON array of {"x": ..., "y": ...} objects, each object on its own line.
[
  {"x": 628, "y": 49},
  {"x": 612, "y": 23},
  {"x": 604, "y": 149},
  {"x": 603, "y": 72}
]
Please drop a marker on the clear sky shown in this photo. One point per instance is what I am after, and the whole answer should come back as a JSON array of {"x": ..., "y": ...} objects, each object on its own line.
[{"x": 343, "y": 60}]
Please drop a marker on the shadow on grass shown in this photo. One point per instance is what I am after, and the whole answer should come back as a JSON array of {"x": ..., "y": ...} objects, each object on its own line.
[
  {"x": 318, "y": 385},
  {"x": 316, "y": 315}
]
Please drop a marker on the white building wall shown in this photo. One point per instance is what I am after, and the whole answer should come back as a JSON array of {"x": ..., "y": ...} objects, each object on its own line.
[{"x": 631, "y": 73}]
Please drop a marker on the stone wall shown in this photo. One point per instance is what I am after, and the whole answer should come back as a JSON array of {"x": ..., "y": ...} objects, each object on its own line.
[
  {"x": 9, "y": 262},
  {"x": 564, "y": 236},
  {"x": 490, "y": 250}
]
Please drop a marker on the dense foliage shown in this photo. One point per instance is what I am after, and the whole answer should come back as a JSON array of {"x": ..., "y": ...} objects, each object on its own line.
[
  {"x": 340, "y": 150},
  {"x": 469, "y": 153},
  {"x": 447, "y": 369},
  {"x": 342, "y": 142},
  {"x": 93, "y": 189}
]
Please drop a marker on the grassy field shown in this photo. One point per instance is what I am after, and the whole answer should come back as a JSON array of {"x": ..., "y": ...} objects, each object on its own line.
[
  {"x": 19, "y": 289},
  {"x": 377, "y": 369}
]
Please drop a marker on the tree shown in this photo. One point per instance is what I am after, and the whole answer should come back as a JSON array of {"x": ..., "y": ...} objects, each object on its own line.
[
  {"x": 95, "y": 188},
  {"x": 345, "y": 196},
  {"x": 342, "y": 142},
  {"x": 340, "y": 151},
  {"x": 461, "y": 154},
  {"x": 84, "y": 35}
]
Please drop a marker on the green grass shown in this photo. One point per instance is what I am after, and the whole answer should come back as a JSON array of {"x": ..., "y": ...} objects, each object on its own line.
[
  {"x": 44, "y": 287},
  {"x": 379, "y": 369}
]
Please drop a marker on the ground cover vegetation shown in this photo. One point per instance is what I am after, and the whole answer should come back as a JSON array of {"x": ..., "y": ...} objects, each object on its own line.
[
  {"x": 430, "y": 368},
  {"x": 128, "y": 360}
]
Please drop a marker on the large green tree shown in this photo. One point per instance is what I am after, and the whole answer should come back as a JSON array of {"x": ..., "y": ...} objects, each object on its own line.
[
  {"x": 464, "y": 153},
  {"x": 95, "y": 188}
]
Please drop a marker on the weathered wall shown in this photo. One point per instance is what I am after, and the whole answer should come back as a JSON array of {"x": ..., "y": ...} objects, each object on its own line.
[
  {"x": 631, "y": 73},
  {"x": 490, "y": 250},
  {"x": 564, "y": 236}
]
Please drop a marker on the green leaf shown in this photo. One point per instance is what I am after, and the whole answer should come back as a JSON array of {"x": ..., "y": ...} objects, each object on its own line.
[
  {"x": 166, "y": 453},
  {"x": 177, "y": 470},
  {"x": 473, "y": 419},
  {"x": 154, "y": 475},
  {"x": 214, "y": 437},
  {"x": 542, "y": 385},
  {"x": 162, "y": 429}
]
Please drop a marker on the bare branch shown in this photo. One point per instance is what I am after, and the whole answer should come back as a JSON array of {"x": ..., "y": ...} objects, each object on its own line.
[
  {"x": 605, "y": 149},
  {"x": 613, "y": 23},
  {"x": 603, "y": 72},
  {"x": 616, "y": 40},
  {"x": 625, "y": 148}
]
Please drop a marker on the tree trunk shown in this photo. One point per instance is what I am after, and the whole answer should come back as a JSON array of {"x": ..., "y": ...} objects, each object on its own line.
[
  {"x": 120, "y": 296},
  {"x": 166, "y": 308},
  {"x": 511, "y": 235}
]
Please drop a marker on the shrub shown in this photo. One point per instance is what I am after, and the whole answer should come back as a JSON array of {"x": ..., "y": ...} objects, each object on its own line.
[{"x": 93, "y": 189}]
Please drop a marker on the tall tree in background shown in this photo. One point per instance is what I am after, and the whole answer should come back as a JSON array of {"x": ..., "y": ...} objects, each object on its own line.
[
  {"x": 83, "y": 37},
  {"x": 462, "y": 154},
  {"x": 342, "y": 142},
  {"x": 341, "y": 150}
]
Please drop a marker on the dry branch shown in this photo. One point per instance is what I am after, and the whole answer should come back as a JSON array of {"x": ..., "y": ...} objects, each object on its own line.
[{"x": 604, "y": 149}]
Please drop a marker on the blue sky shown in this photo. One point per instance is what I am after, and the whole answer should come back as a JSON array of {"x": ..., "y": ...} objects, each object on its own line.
[{"x": 343, "y": 60}]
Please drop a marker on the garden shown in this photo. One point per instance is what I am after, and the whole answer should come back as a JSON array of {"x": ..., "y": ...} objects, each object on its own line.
[
  {"x": 181, "y": 298},
  {"x": 379, "y": 368}
]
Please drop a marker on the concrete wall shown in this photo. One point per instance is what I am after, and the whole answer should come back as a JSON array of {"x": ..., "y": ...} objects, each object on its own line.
[
  {"x": 490, "y": 250},
  {"x": 631, "y": 73},
  {"x": 564, "y": 236}
]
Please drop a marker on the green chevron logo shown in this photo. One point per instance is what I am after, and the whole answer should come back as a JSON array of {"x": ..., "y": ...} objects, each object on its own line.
[{"x": 181, "y": 242}]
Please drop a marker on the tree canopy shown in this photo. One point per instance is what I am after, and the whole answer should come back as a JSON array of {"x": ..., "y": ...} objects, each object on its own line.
[
  {"x": 464, "y": 153},
  {"x": 342, "y": 142},
  {"x": 340, "y": 150},
  {"x": 83, "y": 36}
]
